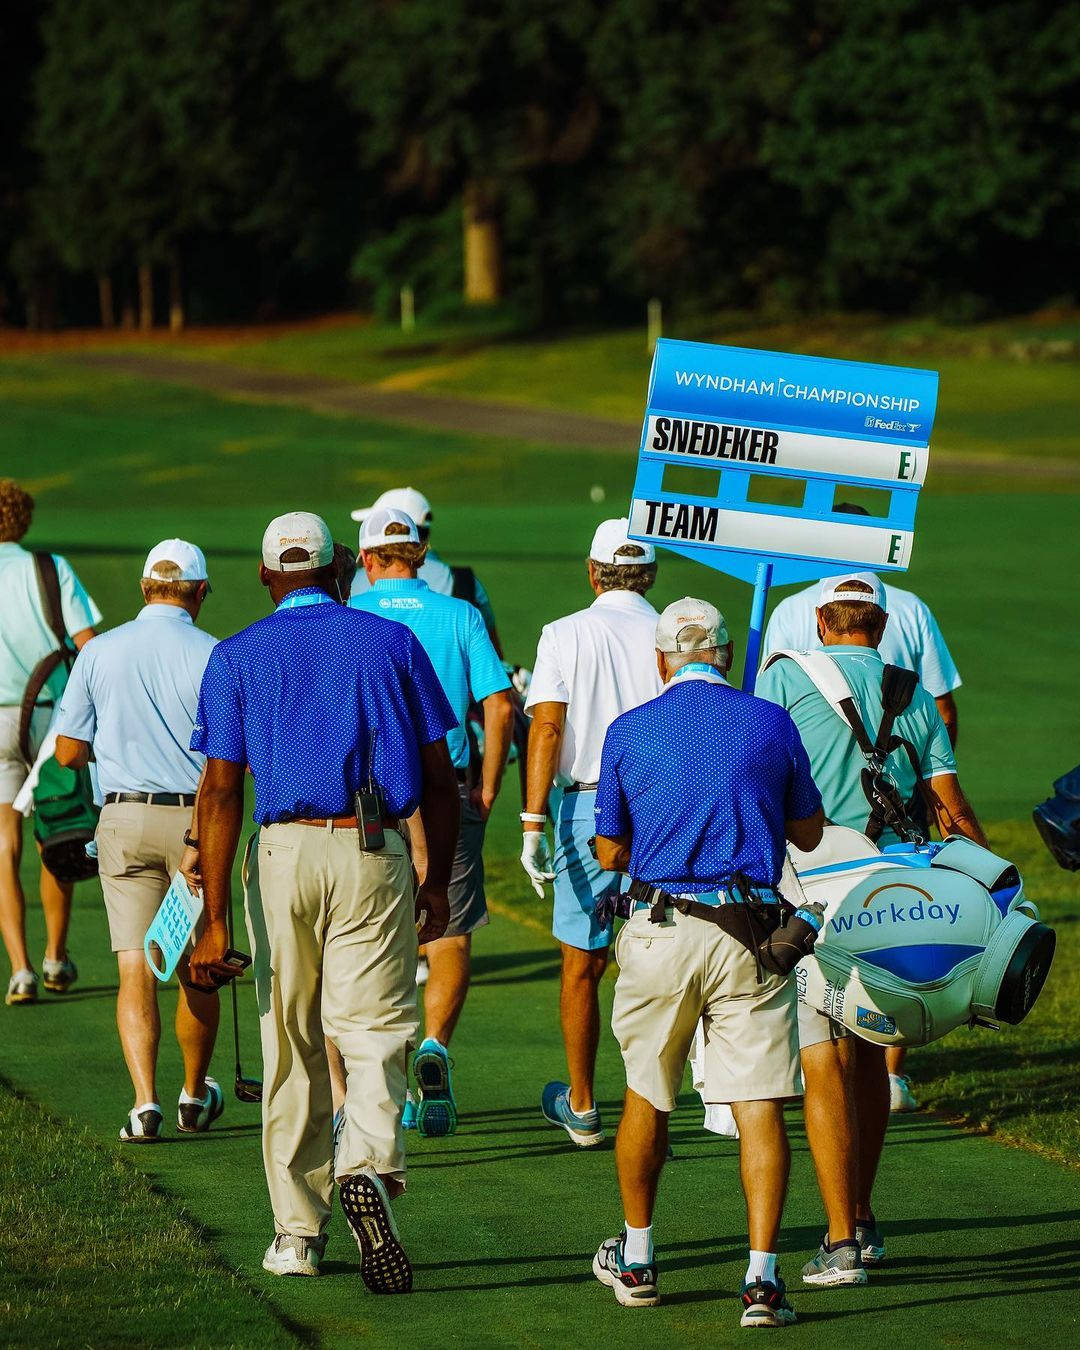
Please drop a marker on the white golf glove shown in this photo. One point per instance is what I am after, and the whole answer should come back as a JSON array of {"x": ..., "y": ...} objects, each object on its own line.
[{"x": 536, "y": 859}]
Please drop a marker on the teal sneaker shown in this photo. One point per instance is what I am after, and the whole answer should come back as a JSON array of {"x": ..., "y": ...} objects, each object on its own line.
[
  {"x": 436, "y": 1111},
  {"x": 584, "y": 1130},
  {"x": 408, "y": 1116}
]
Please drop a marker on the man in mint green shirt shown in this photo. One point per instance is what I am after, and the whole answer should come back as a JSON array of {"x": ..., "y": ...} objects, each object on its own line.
[{"x": 846, "y": 1098}]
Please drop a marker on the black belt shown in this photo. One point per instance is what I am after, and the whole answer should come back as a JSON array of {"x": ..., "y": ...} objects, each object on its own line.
[
  {"x": 580, "y": 787},
  {"x": 152, "y": 798},
  {"x": 462, "y": 775}
]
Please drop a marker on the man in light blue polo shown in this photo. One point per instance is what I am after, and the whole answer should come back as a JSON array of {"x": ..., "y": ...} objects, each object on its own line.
[
  {"x": 452, "y": 633},
  {"x": 847, "y": 1087},
  {"x": 131, "y": 701}
]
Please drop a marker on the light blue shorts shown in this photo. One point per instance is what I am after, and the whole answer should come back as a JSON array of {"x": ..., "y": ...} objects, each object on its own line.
[{"x": 580, "y": 883}]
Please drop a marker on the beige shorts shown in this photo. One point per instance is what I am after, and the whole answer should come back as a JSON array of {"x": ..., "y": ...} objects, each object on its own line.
[
  {"x": 672, "y": 975},
  {"x": 139, "y": 850},
  {"x": 13, "y": 768},
  {"x": 815, "y": 1027}
]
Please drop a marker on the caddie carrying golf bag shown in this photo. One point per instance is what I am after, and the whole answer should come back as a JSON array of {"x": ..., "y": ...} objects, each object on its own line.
[
  {"x": 65, "y": 816},
  {"x": 919, "y": 939}
]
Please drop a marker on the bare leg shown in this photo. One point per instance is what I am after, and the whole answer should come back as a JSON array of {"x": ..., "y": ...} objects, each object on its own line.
[
  {"x": 447, "y": 985},
  {"x": 56, "y": 902},
  {"x": 579, "y": 1009},
  {"x": 829, "y": 1105},
  {"x": 336, "y": 1065},
  {"x": 640, "y": 1152},
  {"x": 196, "y": 1031},
  {"x": 139, "y": 1023},
  {"x": 894, "y": 1058},
  {"x": 764, "y": 1162},
  {"x": 872, "y": 1109},
  {"x": 12, "y": 899}
]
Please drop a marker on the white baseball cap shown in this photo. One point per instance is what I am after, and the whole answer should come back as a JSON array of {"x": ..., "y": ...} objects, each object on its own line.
[
  {"x": 707, "y": 627},
  {"x": 297, "y": 529},
  {"x": 188, "y": 557},
  {"x": 373, "y": 531},
  {"x": 839, "y": 588},
  {"x": 610, "y": 536},
  {"x": 406, "y": 499}
]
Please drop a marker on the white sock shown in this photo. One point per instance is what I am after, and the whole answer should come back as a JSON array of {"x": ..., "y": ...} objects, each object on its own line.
[
  {"x": 187, "y": 1100},
  {"x": 638, "y": 1248},
  {"x": 146, "y": 1106},
  {"x": 762, "y": 1267}
]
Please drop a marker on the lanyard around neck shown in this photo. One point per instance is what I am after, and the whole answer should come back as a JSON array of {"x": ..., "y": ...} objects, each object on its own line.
[
  {"x": 298, "y": 600},
  {"x": 698, "y": 670}
]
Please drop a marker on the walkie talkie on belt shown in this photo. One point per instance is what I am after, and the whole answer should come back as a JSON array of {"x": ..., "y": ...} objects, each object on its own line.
[{"x": 370, "y": 808}]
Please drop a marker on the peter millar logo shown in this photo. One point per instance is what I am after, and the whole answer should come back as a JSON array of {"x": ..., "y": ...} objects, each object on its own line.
[{"x": 900, "y": 911}]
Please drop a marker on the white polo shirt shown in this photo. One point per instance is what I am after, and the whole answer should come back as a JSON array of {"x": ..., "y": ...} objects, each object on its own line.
[
  {"x": 912, "y": 638},
  {"x": 600, "y": 662}
]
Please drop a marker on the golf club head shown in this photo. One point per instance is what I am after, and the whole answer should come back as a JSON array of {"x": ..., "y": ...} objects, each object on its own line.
[{"x": 248, "y": 1089}]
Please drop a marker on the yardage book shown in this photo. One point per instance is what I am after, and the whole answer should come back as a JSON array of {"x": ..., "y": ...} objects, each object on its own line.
[{"x": 172, "y": 927}]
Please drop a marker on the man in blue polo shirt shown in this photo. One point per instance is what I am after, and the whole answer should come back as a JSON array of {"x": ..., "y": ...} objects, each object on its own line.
[
  {"x": 699, "y": 788},
  {"x": 322, "y": 701},
  {"x": 453, "y": 635}
]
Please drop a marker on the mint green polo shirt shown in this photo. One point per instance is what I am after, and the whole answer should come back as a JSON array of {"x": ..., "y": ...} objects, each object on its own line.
[
  {"x": 25, "y": 636},
  {"x": 836, "y": 761}
]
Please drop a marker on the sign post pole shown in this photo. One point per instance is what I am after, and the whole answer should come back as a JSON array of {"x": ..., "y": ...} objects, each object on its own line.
[{"x": 762, "y": 582}]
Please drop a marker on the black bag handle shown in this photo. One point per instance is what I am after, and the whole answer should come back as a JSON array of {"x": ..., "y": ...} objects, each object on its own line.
[{"x": 52, "y": 607}]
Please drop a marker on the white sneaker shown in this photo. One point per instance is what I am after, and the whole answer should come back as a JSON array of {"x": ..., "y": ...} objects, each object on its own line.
[
  {"x": 289, "y": 1255},
  {"x": 194, "y": 1116},
  {"x": 901, "y": 1097},
  {"x": 22, "y": 988}
]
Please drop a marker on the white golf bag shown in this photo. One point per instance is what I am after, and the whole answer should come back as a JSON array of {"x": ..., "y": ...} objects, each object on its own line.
[{"x": 919, "y": 939}]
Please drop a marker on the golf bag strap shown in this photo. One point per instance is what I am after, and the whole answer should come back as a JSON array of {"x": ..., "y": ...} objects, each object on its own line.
[
  {"x": 52, "y": 608},
  {"x": 749, "y": 922},
  {"x": 829, "y": 680}
]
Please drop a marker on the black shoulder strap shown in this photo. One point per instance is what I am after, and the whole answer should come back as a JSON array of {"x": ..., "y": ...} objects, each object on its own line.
[
  {"x": 49, "y": 585},
  {"x": 464, "y": 584},
  {"x": 897, "y": 691}
]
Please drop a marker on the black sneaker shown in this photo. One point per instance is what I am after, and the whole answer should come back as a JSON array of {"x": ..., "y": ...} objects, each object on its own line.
[
  {"x": 142, "y": 1127},
  {"x": 765, "y": 1304},
  {"x": 197, "y": 1117},
  {"x": 634, "y": 1286},
  {"x": 384, "y": 1267}
]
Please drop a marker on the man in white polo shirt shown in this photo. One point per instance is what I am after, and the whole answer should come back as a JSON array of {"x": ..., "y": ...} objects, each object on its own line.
[
  {"x": 26, "y": 637},
  {"x": 591, "y": 667},
  {"x": 131, "y": 700}
]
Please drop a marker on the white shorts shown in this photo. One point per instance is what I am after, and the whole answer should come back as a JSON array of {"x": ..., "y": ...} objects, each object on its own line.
[{"x": 13, "y": 768}]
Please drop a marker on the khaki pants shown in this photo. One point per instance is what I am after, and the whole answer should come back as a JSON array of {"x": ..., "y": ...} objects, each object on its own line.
[
  {"x": 334, "y": 941},
  {"x": 139, "y": 850}
]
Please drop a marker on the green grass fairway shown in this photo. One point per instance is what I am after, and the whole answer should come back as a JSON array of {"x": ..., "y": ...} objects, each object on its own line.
[{"x": 502, "y": 1219}]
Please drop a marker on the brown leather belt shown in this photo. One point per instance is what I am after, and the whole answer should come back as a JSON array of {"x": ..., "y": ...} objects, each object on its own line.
[{"x": 345, "y": 823}]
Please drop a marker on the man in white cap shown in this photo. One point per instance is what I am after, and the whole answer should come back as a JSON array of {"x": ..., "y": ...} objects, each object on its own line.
[
  {"x": 590, "y": 667},
  {"x": 453, "y": 635},
  {"x": 131, "y": 700},
  {"x": 343, "y": 723},
  {"x": 913, "y": 640},
  {"x": 460, "y": 582},
  {"x": 32, "y": 585},
  {"x": 847, "y": 1086},
  {"x": 699, "y": 791}
]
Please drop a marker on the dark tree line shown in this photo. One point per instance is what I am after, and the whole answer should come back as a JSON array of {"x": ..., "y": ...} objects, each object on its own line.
[{"x": 233, "y": 158}]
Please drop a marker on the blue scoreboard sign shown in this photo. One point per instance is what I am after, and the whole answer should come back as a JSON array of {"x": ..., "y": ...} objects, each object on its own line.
[{"x": 734, "y": 417}]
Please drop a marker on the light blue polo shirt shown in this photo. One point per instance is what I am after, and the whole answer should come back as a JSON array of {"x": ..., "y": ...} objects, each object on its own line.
[
  {"x": 440, "y": 577},
  {"x": 452, "y": 633},
  {"x": 25, "y": 635},
  {"x": 835, "y": 758},
  {"x": 133, "y": 693}
]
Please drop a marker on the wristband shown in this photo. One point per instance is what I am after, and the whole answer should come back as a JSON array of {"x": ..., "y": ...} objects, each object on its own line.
[
  {"x": 532, "y": 818},
  {"x": 189, "y": 842}
]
